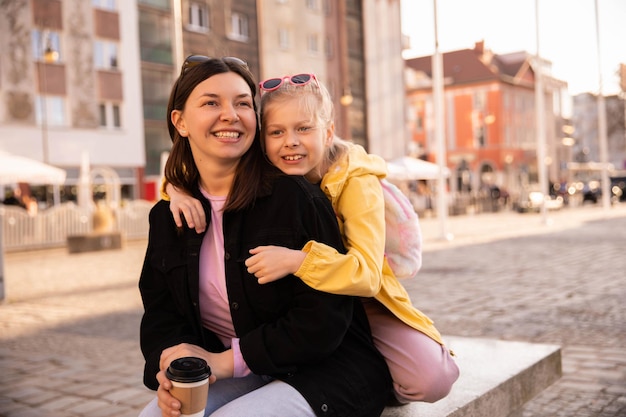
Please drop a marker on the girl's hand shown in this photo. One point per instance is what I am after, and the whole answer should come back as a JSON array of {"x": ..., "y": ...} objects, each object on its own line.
[
  {"x": 270, "y": 263},
  {"x": 190, "y": 207}
]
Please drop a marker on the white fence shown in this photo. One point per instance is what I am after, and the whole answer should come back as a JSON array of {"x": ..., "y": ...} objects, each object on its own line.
[{"x": 51, "y": 227}]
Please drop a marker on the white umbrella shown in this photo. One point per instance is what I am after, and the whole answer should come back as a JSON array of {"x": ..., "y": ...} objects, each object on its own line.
[
  {"x": 409, "y": 168},
  {"x": 14, "y": 168}
]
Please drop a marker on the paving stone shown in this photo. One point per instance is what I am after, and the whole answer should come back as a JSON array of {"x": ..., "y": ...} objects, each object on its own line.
[
  {"x": 87, "y": 406},
  {"x": 505, "y": 276},
  {"x": 63, "y": 402}
]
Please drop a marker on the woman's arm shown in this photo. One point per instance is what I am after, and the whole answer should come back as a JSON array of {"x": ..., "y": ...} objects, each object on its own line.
[{"x": 168, "y": 314}]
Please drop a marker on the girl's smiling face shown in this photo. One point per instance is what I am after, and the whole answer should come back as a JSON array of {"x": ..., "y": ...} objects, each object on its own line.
[
  {"x": 295, "y": 141},
  {"x": 218, "y": 119}
]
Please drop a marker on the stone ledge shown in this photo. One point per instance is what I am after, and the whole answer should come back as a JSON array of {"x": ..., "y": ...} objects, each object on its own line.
[
  {"x": 95, "y": 242},
  {"x": 497, "y": 378}
]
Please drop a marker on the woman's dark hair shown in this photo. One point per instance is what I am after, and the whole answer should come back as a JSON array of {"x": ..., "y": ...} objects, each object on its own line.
[{"x": 181, "y": 170}]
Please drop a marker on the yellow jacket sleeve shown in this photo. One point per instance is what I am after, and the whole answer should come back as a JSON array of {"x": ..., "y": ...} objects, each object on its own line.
[
  {"x": 361, "y": 214},
  {"x": 164, "y": 195}
]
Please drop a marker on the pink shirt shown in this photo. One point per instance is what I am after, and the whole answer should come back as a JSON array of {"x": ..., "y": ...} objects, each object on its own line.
[{"x": 215, "y": 313}]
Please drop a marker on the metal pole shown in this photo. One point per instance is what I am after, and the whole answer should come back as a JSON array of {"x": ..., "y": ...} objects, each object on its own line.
[
  {"x": 541, "y": 123},
  {"x": 1, "y": 254},
  {"x": 49, "y": 56},
  {"x": 44, "y": 110},
  {"x": 604, "y": 158},
  {"x": 442, "y": 194},
  {"x": 178, "y": 35}
]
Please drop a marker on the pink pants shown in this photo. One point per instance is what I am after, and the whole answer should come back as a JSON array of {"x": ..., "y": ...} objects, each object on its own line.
[{"x": 421, "y": 369}]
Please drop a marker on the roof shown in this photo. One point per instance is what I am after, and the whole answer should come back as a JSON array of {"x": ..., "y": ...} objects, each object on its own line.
[{"x": 476, "y": 65}]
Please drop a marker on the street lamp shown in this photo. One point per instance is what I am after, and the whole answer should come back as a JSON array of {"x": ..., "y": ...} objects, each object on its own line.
[
  {"x": 602, "y": 136},
  {"x": 540, "y": 120},
  {"x": 346, "y": 98},
  {"x": 49, "y": 56}
]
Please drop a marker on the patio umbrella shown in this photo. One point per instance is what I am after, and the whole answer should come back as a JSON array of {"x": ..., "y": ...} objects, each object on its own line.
[
  {"x": 409, "y": 168},
  {"x": 14, "y": 168}
]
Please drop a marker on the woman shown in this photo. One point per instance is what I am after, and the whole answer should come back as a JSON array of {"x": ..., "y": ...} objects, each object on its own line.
[
  {"x": 277, "y": 349},
  {"x": 298, "y": 138}
]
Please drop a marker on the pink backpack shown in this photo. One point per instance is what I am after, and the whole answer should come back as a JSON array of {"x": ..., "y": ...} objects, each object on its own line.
[{"x": 403, "y": 236}]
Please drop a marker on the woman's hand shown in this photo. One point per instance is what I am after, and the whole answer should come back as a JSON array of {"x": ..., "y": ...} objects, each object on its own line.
[
  {"x": 191, "y": 208},
  {"x": 221, "y": 365},
  {"x": 270, "y": 263},
  {"x": 170, "y": 406}
]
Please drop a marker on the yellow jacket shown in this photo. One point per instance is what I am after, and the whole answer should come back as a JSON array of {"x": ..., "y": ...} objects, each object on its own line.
[{"x": 353, "y": 186}]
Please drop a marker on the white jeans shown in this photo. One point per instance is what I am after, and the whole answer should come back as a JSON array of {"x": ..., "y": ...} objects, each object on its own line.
[{"x": 235, "y": 397}]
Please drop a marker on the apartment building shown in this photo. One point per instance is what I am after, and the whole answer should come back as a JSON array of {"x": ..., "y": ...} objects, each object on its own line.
[
  {"x": 70, "y": 87},
  {"x": 91, "y": 79},
  {"x": 280, "y": 37},
  {"x": 171, "y": 30}
]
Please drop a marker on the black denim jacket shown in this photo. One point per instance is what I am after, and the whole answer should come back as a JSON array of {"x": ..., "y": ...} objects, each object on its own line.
[{"x": 317, "y": 342}]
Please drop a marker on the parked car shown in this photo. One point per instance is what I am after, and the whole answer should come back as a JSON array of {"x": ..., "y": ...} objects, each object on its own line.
[
  {"x": 592, "y": 192},
  {"x": 618, "y": 189},
  {"x": 533, "y": 200}
]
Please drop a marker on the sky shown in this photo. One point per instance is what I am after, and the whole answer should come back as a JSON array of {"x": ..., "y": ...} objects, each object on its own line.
[{"x": 567, "y": 34}]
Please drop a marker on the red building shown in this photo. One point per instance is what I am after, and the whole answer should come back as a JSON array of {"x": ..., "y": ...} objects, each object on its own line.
[{"x": 489, "y": 118}]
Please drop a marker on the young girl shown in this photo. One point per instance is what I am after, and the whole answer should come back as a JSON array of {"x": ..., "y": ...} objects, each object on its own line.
[{"x": 298, "y": 137}]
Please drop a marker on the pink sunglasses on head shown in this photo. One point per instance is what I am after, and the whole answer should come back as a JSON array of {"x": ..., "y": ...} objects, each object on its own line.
[{"x": 272, "y": 84}]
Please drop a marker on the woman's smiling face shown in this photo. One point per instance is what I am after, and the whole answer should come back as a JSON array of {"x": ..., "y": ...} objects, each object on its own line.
[{"x": 218, "y": 119}]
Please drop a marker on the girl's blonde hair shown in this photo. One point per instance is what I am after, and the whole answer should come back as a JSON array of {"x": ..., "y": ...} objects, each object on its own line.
[{"x": 316, "y": 101}]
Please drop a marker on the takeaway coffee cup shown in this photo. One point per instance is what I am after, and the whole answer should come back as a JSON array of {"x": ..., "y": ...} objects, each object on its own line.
[{"x": 190, "y": 384}]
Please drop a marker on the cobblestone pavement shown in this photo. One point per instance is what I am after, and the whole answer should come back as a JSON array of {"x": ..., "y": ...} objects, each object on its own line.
[{"x": 69, "y": 323}]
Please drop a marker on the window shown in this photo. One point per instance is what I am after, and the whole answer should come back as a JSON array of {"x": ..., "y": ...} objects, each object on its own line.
[
  {"x": 160, "y": 4},
  {"x": 312, "y": 44},
  {"x": 328, "y": 47},
  {"x": 481, "y": 136},
  {"x": 103, "y": 115},
  {"x": 104, "y": 4},
  {"x": 479, "y": 98},
  {"x": 479, "y": 120},
  {"x": 110, "y": 117},
  {"x": 155, "y": 87},
  {"x": 198, "y": 17},
  {"x": 117, "y": 120},
  {"x": 312, "y": 4},
  {"x": 105, "y": 55},
  {"x": 50, "y": 110},
  {"x": 43, "y": 40},
  {"x": 419, "y": 122},
  {"x": 328, "y": 9},
  {"x": 239, "y": 27},
  {"x": 155, "y": 38},
  {"x": 283, "y": 38}
]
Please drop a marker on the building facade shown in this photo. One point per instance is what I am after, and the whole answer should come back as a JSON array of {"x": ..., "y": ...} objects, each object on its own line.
[
  {"x": 490, "y": 118},
  {"x": 282, "y": 37},
  {"x": 70, "y": 86},
  {"x": 90, "y": 80},
  {"x": 586, "y": 146},
  {"x": 171, "y": 30}
]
